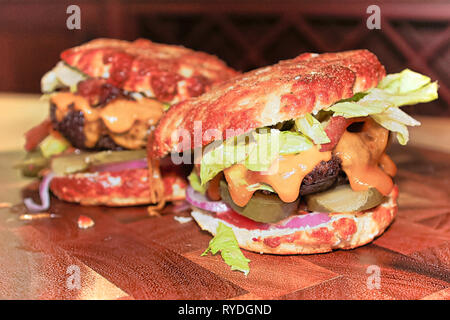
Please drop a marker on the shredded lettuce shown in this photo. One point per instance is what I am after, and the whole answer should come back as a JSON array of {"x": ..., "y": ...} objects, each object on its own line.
[
  {"x": 382, "y": 103},
  {"x": 293, "y": 142},
  {"x": 225, "y": 242},
  {"x": 257, "y": 152},
  {"x": 266, "y": 149},
  {"x": 312, "y": 128},
  {"x": 403, "y": 82},
  {"x": 271, "y": 144},
  {"x": 61, "y": 76},
  {"x": 396, "y": 121},
  {"x": 195, "y": 182},
  {"x": 220, "y": 155},
  {"x": 395, "y": 90}
]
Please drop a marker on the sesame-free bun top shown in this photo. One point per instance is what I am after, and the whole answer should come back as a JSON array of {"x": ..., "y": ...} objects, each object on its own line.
[
  {"x": 268, "y": 95},
  {"x": 167, "y": 72}
]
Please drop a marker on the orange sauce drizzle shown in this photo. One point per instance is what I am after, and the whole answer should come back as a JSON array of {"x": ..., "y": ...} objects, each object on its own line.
[
  {"x": 118, "y": 115},
  {"x": 155, "y": 182},
  {"x": 388, "y": 165},
  {"x": 360, "y": 153},
  {"x": 285, "y": 175}
]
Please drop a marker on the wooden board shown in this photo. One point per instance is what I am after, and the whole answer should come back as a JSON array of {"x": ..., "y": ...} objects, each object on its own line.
[{"x": 129, "y": 255}]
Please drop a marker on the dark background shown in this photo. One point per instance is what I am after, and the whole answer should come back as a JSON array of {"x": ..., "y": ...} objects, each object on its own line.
[{"x": 246, "y": 34}]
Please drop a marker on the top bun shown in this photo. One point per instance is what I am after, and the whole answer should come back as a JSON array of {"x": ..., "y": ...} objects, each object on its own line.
[
  {"x": 167, "y": 72},
  {"x": 266, "y": 96}
]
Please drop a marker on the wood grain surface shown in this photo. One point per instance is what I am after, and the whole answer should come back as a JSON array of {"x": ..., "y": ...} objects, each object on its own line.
[{"x": 130, "y": 255}]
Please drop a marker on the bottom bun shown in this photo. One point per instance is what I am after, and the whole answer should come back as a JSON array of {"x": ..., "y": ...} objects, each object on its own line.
[
  {"x": 341, "y": 231},
  {"x": 118, "y": 188}
]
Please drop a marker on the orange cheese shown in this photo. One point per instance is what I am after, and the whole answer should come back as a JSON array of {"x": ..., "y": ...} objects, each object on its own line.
[
  {"x": 285, "y": 175},
  {"x": 118, "y": 115}
]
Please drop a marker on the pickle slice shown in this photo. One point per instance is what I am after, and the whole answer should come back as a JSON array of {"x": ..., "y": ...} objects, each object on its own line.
[
  {"x": 267, "y": 208},
  {"x": 33, "y": 163},
  {"x": 79, "y": 162},
  {"x": 344, "y": 199}
]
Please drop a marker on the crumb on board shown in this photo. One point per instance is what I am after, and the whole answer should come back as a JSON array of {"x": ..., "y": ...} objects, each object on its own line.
[
  {"x": 182, "y": 219},
  {"x": 85, "y": 222},
  {"x": 35, "y": 216}
]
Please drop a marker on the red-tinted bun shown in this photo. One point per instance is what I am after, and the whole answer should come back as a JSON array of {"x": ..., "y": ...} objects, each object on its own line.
[
  {"x": 119, "y": 188},
  {"x": 170, "y": 73}
]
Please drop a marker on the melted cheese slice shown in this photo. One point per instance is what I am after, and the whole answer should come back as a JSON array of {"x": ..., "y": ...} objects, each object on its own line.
[
  {"x": 284, "y": 176},
  {"x": 118, "y": 115}
]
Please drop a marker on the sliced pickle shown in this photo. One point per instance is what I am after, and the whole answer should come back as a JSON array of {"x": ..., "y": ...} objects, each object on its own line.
[
  {"x": 33, "y": 163},
  {"x": 79, "y": 162},
  {"x": 267, "y": 208},
  {"x": 344, "y": 199}
]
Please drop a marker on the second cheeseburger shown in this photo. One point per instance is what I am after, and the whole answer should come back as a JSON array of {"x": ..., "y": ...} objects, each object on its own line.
[
  {"x": 106, "y": 96},
  {"x": 293, "y": 155}
]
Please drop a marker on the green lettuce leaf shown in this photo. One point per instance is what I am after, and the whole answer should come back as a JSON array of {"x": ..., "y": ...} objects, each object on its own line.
[
  {"x": 225, "y": 242},
  {"x": 60, "y": 76},
  {"x": 396, "y": 121},
  {"x": 220, "y": 155},
  {"x": 270, "y": 144},
  {"x": 195, "y": 182},
  {"x": 257, "y": 152},
  {"x": 395, "y": 90},
  {"x": 382, "y": 103},
  {"x": 266, "y": 149},
  {"x": 358, "y": 109},
  {"x": 311, "y": 127},
  {"x": 293, "y": 142},
  {"x": 403, "y": 82}
]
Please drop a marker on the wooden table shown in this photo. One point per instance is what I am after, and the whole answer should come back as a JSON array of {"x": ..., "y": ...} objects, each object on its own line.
[{"x": 129, "y": 255}]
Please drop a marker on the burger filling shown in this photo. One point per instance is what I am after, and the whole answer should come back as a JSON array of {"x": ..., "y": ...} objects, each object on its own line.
[
  {"x": 329, "y": 161},
  {"x": 89, "y": 115}
]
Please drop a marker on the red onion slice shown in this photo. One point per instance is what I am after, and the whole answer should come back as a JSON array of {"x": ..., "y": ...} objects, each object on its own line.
[
  {"x": 200, "y": 201},
  {"x": 183, "y": 206},
  {"x": 120, "y": 166},
  {"x": 44, "y": 194}
]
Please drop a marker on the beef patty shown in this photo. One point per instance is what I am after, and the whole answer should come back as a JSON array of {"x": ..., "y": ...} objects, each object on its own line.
[
  {"x": 323, "y": 176},
  {"x": 72, "y": 128},
  {"x": 99, "y": 93}
]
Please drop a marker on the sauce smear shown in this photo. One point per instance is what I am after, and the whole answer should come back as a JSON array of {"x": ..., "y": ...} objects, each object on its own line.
[
  {"x": 360, "y": 153},
  {"x": 285, "y": 175}
]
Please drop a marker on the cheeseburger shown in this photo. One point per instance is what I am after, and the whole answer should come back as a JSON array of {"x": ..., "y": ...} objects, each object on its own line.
[
  {"x": 291, "y": 158},
  {"x": 106, "y": 97}
]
